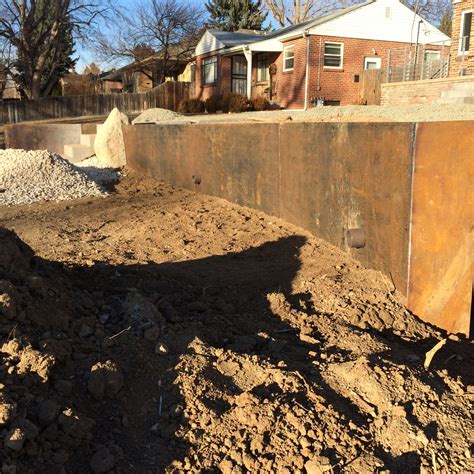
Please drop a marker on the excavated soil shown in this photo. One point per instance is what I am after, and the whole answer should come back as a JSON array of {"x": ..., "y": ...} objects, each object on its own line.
[{"x": 159, "y": 330}]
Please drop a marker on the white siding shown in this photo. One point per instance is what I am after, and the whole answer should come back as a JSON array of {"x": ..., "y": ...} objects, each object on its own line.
[
  {"x": 385, "y": 20},
  {"x": 208, "y": 43}
]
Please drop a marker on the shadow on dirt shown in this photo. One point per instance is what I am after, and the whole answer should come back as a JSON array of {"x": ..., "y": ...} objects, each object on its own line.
[{"x": 215, "y": 303}]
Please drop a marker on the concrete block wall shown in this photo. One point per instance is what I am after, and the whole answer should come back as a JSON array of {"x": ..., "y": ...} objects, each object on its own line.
[
  {"x": 408, "y": 186},
  {"x": 419, "y": 92}
]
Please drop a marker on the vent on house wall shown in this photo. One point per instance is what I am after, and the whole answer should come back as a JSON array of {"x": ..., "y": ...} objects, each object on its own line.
[{"x": 388, "y": 12}]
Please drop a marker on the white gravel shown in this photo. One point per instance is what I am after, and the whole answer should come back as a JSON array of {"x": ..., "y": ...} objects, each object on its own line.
[
  {"x": 98, "y": 172},
  {"x": 157, "y": 115},
  {"x": 38, "y": 175}
]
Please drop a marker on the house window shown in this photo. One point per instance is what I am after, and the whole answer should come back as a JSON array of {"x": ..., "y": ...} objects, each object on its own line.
[
  {"x": 333, "y": 53},
  {"x": 466, "y": 25},
  {"x": 209, "y": 70},
  {"x": 288, "y": 58},
  {"x": 192, "y": 69},
  {"x": 431, "y": 55},
  {"x": 372, "y": 63},
  {"x": 262, "y": 67}
]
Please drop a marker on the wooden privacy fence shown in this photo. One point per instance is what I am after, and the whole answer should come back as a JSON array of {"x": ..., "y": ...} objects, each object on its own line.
[
  {"x": 370, "y": 86},
  {"x": 166, "y": 96}
]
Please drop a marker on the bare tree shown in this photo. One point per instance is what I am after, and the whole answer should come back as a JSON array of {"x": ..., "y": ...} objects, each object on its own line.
[
  {"x": 291, "y": 12},
  {"x": 166, "y": 29},
  {"x": 33, "y": 35}
]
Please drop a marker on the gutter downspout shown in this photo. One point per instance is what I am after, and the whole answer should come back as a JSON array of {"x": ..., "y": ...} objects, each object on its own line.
[{"x": 306, "y": 82}]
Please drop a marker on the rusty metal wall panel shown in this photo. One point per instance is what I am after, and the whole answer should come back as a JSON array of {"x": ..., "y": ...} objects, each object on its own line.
[
  {"x": 337, "y": 176},
  {"x": 50, "y": 137},
  {"x": 442, "y": 250},
  {"x": 238, "y": 162}
]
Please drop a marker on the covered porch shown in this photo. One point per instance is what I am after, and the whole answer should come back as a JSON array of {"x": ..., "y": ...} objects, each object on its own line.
[{"x": 250, "y": 65}]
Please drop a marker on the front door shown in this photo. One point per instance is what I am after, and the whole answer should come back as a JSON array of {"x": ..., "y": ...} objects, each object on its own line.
[{"x": 239, "y": 75}]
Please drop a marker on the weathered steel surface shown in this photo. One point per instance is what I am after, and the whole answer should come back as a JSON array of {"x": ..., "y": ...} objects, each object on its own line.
[
  {"x": 441, "y": 269},
  {"x": 51, "y": 137},
  {"x": 338, "y": 176},
  {"x": 238, "y": 162},
  {"x": 331, "y": 177}
]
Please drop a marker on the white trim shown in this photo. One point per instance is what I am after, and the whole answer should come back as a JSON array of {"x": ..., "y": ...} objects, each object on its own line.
[
  {"x": 334, "y": 55},
  {"x": 376, "y": 59},
  {"x": 463, "y": 13},
  {"x": 286, "y": 48}
]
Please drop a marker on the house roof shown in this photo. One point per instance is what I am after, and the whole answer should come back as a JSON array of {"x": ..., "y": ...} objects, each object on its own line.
[{"x": 385, "y": 20}]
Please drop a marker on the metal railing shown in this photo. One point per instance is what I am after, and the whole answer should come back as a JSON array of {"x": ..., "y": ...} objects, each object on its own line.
[{"x": 417, "y": 62}]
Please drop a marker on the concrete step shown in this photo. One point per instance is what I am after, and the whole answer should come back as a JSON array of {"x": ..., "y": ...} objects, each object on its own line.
[
  {"x": 463, "y": 86},
  {"x": 457, "y": 93},
  {"x": 75, "y": 153},
  {"x": 88, "y": 139},
  {"x": 455, "y": 100}
]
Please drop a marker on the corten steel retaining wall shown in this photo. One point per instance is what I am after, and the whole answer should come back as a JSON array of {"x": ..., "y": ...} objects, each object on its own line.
[
  {"x": 408, "y": 186},
  {"x": 36, "y": 136}
]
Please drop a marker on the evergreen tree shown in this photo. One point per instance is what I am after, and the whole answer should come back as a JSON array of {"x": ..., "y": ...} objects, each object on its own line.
[{"x": 232, "y": 15}]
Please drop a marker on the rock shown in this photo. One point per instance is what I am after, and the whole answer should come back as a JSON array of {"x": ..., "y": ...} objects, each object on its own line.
[
  {"x": 103, "y": 460},
  {"x": 7, "y": 410},
  {"x": 64, "y": 387},
  {"x": 47, "y": 412},
  {"x": 152, "y": 334},
  {"x": 109, "y": 145},
  {"x": 226, "y": 466},
  {"x": 318, "y": 465},
  {"x": 7, "y": 306},
  {"x": 161, "y": 348},
  {"x": 85, "y": 331},
  {"x": 106, "y": 380},
  {"x": 170, "y": 314},
  {"x": 15, "y": 439},
  {"x": 138, "y": 308}
]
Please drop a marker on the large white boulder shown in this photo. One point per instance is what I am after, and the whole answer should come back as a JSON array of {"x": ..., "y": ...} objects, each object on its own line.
[{"x": 109, "y": 146}]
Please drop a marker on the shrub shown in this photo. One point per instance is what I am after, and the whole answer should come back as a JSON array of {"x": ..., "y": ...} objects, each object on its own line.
[
  {"x": 191, "y": 106},
  {"x": 260, "y": 103},
  {"x": 234, "y": 103},
  {"x": 225, "y": 102},
  {"x": 213, "y": 104}
]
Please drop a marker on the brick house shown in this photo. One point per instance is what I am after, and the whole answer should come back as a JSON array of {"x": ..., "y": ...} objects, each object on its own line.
[
  {"x": 319, "y": 58},
  {"x": 462, "y": 43}
]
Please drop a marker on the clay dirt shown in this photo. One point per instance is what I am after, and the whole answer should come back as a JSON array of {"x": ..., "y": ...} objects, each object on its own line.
[{"x": 160, "y": 330}]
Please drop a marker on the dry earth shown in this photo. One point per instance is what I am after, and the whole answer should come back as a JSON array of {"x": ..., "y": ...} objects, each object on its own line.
[{"x": 159, "y": 330}]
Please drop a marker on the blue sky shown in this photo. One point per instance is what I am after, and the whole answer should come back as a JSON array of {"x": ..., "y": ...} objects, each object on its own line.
[{"x": 86, "y": 56}]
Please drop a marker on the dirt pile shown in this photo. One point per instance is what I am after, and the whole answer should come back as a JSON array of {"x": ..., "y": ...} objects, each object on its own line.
[
  {"x": 38, "y": 175},
  {"x": 197, "y": 335}
]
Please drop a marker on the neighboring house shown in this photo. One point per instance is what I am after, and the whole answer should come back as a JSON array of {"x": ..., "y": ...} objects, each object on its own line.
[
  {"x": 142, "y": 76},
  {"x": 462, "y": 48},
  {"x": 319, "y": 58}
]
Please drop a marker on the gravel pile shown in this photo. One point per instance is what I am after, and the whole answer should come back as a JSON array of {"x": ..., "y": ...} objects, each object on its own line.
[
  {"x": 98, "y": 172},
  {"x": 38, "y": 175},
  {"x": 156, "y": 115}
]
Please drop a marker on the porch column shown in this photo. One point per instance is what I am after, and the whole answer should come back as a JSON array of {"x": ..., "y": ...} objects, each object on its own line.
[{"x": 248, "y": 57}]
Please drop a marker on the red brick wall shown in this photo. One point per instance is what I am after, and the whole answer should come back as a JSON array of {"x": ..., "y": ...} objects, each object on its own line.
[
  {"x": 223, "y": 84},
  {"x": 455, "y": 59},
  {"x": 334, "y": 85}
]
